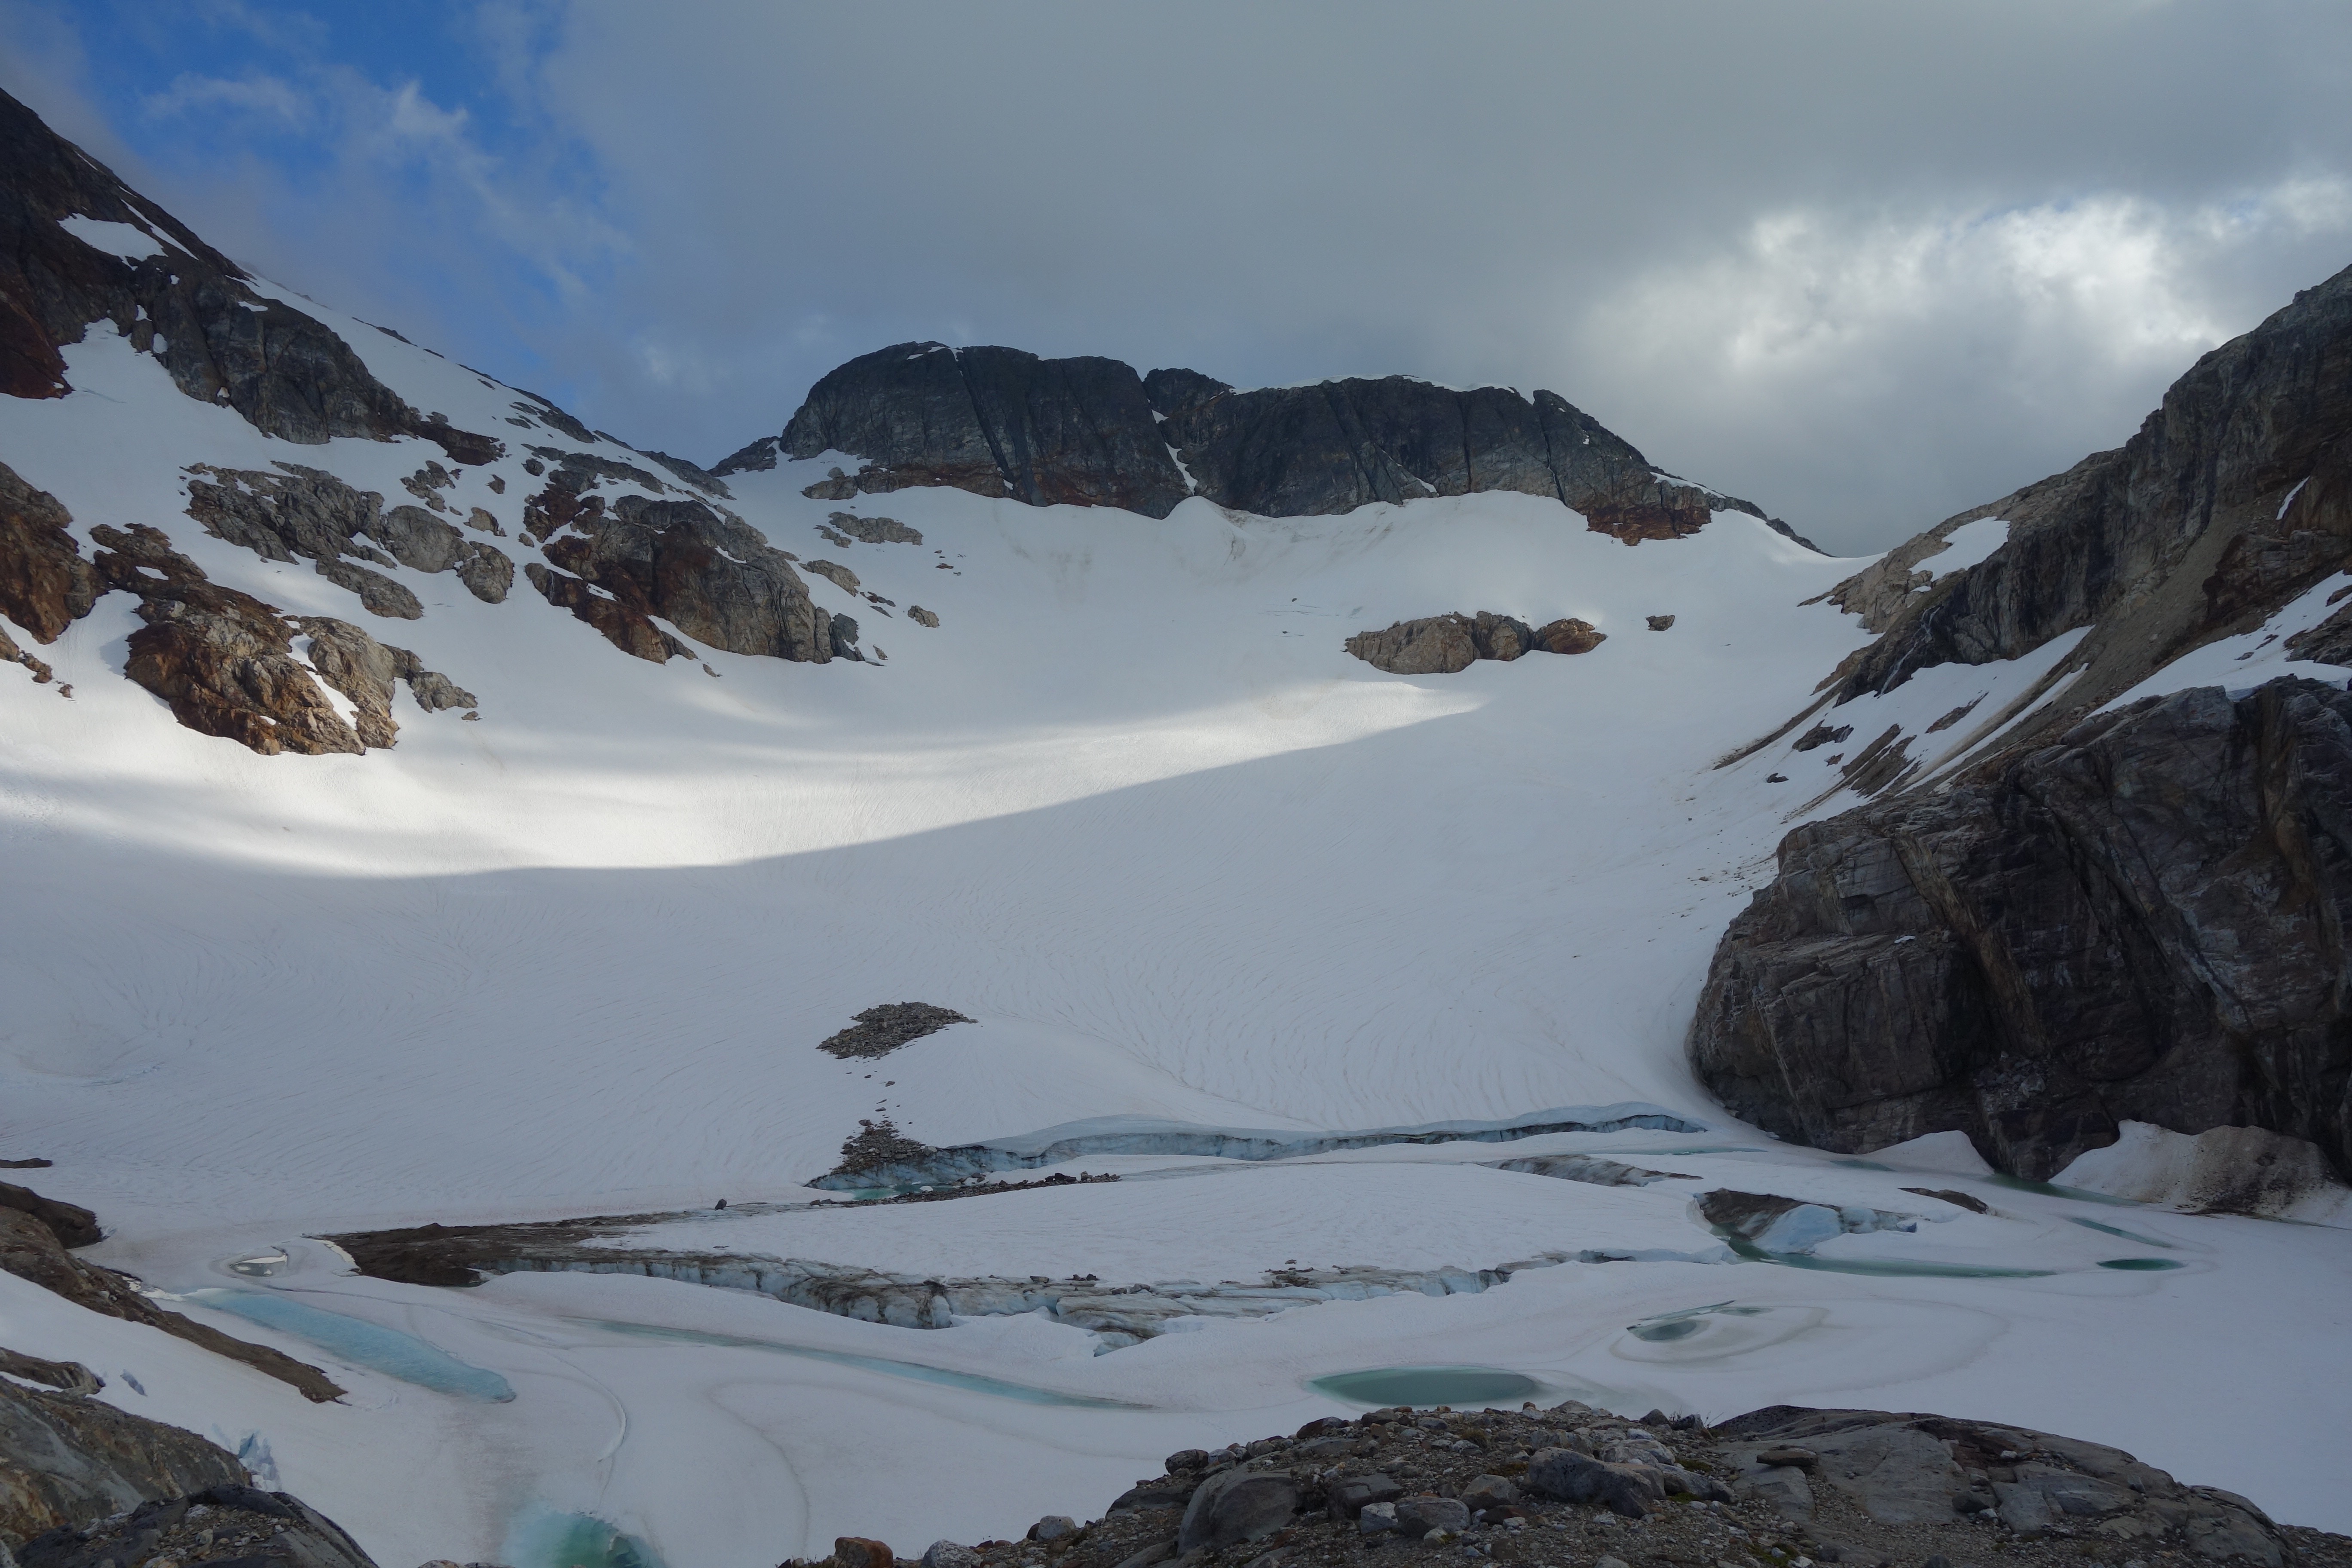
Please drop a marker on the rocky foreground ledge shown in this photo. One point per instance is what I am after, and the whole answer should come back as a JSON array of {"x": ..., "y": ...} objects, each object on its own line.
[
  {"x": 1779, "y": 1488},
  {"x": 84, "y": 1485}
]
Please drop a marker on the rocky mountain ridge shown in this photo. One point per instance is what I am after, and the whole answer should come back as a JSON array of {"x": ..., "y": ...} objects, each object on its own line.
[
  {"x": 1092, "y": 432},
  {"x": 2084, "y": 915}
]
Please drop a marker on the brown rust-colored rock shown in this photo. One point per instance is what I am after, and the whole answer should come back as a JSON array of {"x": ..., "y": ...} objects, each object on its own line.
[
  {"x": 72, "y": 1225},
  {"x": 45, "y": 584},
  {"x": 2141, "y": 922},
  {"x": 222, "y": 660},
  {"x": 32, "y": 1251},
  {"x": 1569, "y": 635}
]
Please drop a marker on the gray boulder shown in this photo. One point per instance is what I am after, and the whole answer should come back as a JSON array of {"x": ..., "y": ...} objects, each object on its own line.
[
  {"x": 1421, "y": 1514},
  {"x": 948, "y": 1554},
  {"x": 1237, "y": 1505},
  {"x": 1351, "y": 1495},
  {"x": 1490, "y": 1491},
  {"x": 1566, "y": 1476}
]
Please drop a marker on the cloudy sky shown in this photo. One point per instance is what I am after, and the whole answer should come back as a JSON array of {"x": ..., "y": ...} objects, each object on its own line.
[{"x": 1863, "y": 263}]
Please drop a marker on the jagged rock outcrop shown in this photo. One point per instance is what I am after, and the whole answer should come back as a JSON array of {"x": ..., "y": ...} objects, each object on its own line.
[
  {"x": 67, "y": 1461},
  {"x": 226, "y": 664},
  {"x": 1435, "y": 644},
  {"x": 298, "y": 513},
  {"x": 45, "y": 584},
  {"x": 2143, "y": 921},
  {"x": 33, "y": 1246},
  {"x": 1090, "y": 432},
  {"x": 185, "y": 303},
  {"x": 222, "y": 661},
  {"x": 705, "y": 571},
  {"x": 2233, "y": 497},
  {"x": 873, "y": 530},
  {"x": 1447, "y": 644}
]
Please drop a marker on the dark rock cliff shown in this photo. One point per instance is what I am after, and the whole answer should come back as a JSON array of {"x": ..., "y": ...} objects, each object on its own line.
[
  {"x": 190, "y": 306},
  {"x": 1091, "y": 432},
  {"x": 2144, "y": 920},
  {"x": 84, "y": 1485},
  {"x": 2234, "y": 496}
]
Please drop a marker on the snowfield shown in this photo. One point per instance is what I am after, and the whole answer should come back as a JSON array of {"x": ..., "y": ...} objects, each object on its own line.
[{"x": 1130, "y": 807}]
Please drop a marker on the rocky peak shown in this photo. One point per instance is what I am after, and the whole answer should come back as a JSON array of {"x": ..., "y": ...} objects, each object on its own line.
[
  {"x": 176, "y": 298},
  {"x": 2234, "y": 497},
  {"x": 1091, "y": 432}
]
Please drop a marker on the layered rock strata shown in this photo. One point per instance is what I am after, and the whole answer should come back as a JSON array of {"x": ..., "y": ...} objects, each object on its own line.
[{"x": 2143, "y": 921}]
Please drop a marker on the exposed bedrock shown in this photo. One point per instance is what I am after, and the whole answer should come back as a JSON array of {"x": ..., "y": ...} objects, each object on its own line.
[
  {"x": 188, "y": 305},
  {"x": 1450, "y": 643},
  {"x": 225, "y": 662},
  {"x": 1091, "y": 432},
  {"x": 298, "y": 513},
  {"x": 701, "y": 568},
  {"x": 2233, "y": 497},
  {"x": 45, "y": 584},
  {"x": 33, "y": 1243},
  {"x": 2143, "y": 921},
  {"x": 66, "y": 1461}
]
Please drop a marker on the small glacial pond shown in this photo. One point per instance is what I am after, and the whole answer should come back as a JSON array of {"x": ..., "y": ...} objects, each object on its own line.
[
  {"x": 362, "y": 1343},
  {"x": 1470, "y": 1387},
  {"x": 545, "y": 1539},
  {"x": 2139, "y": 1265},
  {"x": 914, "y": 1370},
  {"x": 1668, "y": 1327},
  {"x": 1882, "y": 1268}
]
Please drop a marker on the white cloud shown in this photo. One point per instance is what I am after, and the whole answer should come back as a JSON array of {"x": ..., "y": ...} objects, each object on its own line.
[
  {"x": 260, "y": 94},
  {"x": 2049, "y": 330}
]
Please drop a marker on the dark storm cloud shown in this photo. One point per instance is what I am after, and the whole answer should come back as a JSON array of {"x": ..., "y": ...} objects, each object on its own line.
[{"x": 1865, "y": 264}]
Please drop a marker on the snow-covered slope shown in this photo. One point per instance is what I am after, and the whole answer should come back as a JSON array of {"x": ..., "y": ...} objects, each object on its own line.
[{"x": 1130, "y": 807}]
